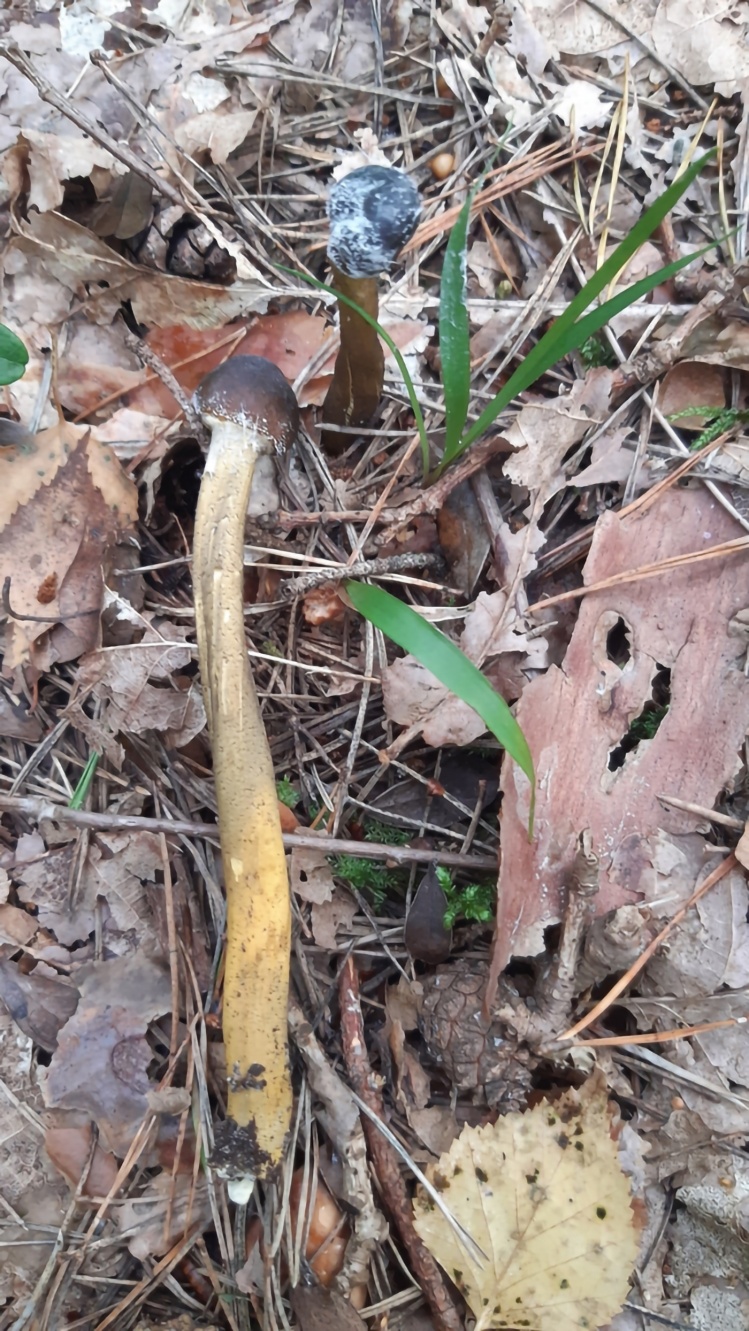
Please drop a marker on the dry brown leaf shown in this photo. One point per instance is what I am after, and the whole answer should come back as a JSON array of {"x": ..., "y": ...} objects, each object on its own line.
[
  {"x": 329, "y": 916},
  {"x": 30, "y": 1189},
  {"x": 68, "y": 1143},
  {"x": 545, "y": 430},
  {"x": 167, "y": 1209},
  {"x": 52, "y": 158},
  {"x": 310, "y": 874},
  {"x": 218, "y": 132},
  {"x": 717, "y": 341},
  {"x": 702, "y": 41},
  {"x": 577, "y": 29},
  {"x": 313, "y": 36},
  {"x": 94, "y": 363},
  {"x": 544, "y": 1196},
  {"x": 101, "y": 279},
  {"x": 611, "y": 461},
  {"x": 17, "y": 928},
  {"x": 102, "y": 1056},
  {"x": 710, "y": 949},
  {"x": 39, "y": 1004},
  {"x": 115, "y": 873},
  {"x": 16, "y": 721},
  {"x": 435, "y": 1127},
  {"x": 43, "y": 884},
  {"x": 64, "y": 502},
  {"x": 574, "y": 719},
  {"x": 706, "y": 43},
  {"x": 692, "y": 384},
  {"x": 291, "y": 340},
  {"x": 711, "y": 1233},
  {"x": 130, "y": 683}
]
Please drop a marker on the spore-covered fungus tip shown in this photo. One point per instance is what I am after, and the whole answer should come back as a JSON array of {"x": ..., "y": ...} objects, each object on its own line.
[{"x": 373, "y": 213}]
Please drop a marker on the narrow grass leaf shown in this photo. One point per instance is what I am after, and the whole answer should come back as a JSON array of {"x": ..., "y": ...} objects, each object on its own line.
[
  {"x": 78, "y": 798},
  {"x": 389, "y": 343},
  {"x": 455, "y": 347},
  {"x": 595, "y": 319},
  {"x": 451, "y": 667},
  {"x": 13, "y": 356},
  {"x": 554, "y": 345}
]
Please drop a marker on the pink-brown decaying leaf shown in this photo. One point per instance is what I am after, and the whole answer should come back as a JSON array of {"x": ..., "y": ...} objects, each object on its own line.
[
  {"x": 576, "y": 715},
  {"x": 68, "y": 1143},
  {"x": 142, "y": 687},
  {"x": 102, "y": 1057},
  {"x": 63, "y": 504}
]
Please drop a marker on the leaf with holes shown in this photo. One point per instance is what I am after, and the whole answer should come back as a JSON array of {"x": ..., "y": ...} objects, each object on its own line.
[{"x": 548, "y": 1209}]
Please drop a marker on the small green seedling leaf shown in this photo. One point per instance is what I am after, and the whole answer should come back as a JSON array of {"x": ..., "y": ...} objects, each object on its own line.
[
  {"x": 13, "y": 356},
  {"x": 78, "y": 798},
  {"x": 451, "y": 667},
  {"x": 455, "y": 347}
]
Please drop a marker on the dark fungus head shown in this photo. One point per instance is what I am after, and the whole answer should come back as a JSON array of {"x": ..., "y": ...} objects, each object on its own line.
[
  {"x": 373, "y": 212},
  {"x": 252, "y": 393}
]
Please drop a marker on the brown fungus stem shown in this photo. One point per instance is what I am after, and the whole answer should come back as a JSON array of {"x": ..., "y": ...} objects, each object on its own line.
[{"x": 249, "y": 409}]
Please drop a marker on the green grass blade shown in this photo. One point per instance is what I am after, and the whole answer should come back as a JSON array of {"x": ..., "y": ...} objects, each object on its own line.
[
  {"x": 549, "y": 349},
  {"x": 78, "y": 798},
  {"x": 13, "y": 356},
  {"x": 451, "y": 667},
  {"x": 595, "y": 319},
  {"x": 571, "y": 338},
  {"x": 389, "y": 343},
  {"x": 455, "y": 346}
]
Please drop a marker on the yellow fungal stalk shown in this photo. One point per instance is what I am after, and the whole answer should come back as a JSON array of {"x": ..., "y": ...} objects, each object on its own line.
[{"x": 250, "y": 409}]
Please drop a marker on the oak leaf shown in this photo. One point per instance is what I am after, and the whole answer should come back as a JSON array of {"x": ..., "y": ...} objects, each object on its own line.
[{"x": 545, "y": 1201}]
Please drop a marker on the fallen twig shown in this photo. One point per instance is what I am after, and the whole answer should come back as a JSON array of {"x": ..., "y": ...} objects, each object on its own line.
[
  {"x": 365, "y": 568},
  {"x": 394, "y": 1192},
  {"x": 341, "y": 1121},
  {"x": 36, "y": 807}
]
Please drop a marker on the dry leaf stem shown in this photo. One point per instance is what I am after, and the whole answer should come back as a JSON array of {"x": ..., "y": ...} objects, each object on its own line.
[{"x": 394, "y": 1192}]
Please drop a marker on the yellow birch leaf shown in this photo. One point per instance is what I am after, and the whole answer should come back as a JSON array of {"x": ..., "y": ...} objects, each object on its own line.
[{"x": 544, "y": 1197}]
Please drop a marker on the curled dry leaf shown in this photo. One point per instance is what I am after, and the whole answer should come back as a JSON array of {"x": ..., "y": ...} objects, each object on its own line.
[
  {"x": 545, "y": 1198},
  {"x": 140, "y": 688},
  {"x": 64, "y": 501},
  {"x": 85, "y": 265},
  {"x": 545, "y": 429}
]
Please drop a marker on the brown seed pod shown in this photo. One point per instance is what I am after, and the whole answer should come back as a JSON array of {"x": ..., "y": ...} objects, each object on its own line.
[{"x": 442, "y": 165}]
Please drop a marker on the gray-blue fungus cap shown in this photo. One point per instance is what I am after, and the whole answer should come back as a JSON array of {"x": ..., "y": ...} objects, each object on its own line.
[{"x": 373, "y": 212}]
